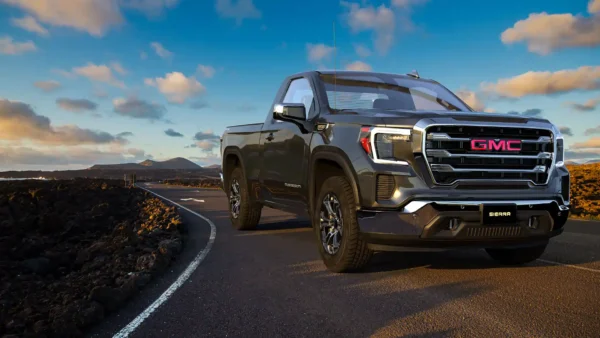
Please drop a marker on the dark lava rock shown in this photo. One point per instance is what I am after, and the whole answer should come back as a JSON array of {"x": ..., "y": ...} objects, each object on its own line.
[
  {"x": 40, "y": 265},
  {"x": 73, "y": 251},
  {"x": 170, "y": 247},
  {"x": 109, "y": 298}
]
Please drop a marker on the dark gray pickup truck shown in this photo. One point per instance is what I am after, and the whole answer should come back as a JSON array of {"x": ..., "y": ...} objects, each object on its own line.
[{"x": 385, "y": 161}]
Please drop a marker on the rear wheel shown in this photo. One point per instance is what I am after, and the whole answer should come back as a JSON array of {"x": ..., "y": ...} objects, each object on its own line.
[
  {"x": 336, "y": 227},
  {"x": 244, "y": 213},
  {"x": 517, "y": 256}
]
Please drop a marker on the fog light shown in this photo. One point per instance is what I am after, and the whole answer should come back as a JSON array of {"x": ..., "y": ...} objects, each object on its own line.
[
  {"x": 534, "y": 222},
  {"x": 453, "y": 224}
]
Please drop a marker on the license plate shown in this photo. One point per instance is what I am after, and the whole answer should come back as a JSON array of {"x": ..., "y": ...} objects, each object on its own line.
[{"x": 498, "y": 214}]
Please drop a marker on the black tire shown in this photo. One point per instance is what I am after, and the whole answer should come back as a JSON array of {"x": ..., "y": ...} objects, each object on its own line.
[
  {"x": 353, "y": 253},
  {"x": 516, "y": 256},
  {"x": 249, "y": 212}
]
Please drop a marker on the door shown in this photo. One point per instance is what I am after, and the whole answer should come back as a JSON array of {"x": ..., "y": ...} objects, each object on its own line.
[{"x": 286, "y": 151}]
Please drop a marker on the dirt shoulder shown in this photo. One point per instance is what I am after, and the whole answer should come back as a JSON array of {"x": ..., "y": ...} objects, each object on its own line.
[
  {"x": 73, "y": 251},
  {"x": 207, "y": 183}
]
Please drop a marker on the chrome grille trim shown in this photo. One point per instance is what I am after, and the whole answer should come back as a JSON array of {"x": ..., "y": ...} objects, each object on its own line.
[
  {"x": 446, "y": 154},
  {"x": 425, "y": 124},
  {"x": 446, "y": 137},
  {"x": 447, "y": 168}
]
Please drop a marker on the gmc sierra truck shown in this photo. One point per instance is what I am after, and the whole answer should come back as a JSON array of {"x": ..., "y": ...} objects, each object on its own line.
[{"x": 385, "y": 161}]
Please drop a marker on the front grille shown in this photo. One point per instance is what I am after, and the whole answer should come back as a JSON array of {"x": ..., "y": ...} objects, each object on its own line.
[
  {"x": 494, "y": 232},
  {"x": 451, "y": 158},
  {"x": 385, "y": 187}
]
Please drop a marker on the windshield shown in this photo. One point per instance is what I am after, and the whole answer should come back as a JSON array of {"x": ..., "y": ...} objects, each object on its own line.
[{"x": 388, "y": 92}]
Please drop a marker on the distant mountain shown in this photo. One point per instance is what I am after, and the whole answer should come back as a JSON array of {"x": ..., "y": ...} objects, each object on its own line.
[
  {"x": 593, "y": 161},
  {"x": 214, "y": 166},
  {"x": 177, "y": 163}
]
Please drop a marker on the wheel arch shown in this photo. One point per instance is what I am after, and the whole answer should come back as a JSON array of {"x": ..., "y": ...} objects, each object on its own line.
[
  {"x": 330, "y": 156},
  {"x": 232, "y": 158}
]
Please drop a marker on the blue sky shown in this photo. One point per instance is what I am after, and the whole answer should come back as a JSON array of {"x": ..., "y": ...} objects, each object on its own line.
[{"x": 107, "y": 67}]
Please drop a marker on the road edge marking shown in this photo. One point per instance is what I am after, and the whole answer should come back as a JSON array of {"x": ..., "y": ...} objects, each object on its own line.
[
  {"x": 137, "y": 321},
  {"x": 568, "y": 265}
]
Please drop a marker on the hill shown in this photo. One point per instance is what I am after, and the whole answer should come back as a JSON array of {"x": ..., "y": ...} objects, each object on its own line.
[{"x": 177, "y": 163}]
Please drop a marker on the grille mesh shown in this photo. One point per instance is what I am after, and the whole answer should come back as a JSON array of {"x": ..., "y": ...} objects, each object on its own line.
[
  {"x": 450, "y": 157},
  {"x": 494, "y": 232}
]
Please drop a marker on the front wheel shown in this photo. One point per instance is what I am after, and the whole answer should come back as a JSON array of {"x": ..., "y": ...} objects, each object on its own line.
[
  {"x": 517, "y": 256},
  {"x": 244, "y": 213},
  {"x": 336, "y": 227}
]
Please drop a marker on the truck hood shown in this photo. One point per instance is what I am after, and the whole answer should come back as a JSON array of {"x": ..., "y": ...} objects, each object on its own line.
[{"x": 405, "y": 117}]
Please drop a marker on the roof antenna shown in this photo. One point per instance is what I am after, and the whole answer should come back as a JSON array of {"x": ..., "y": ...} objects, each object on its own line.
[
  {"x": 334, "y": 70},
  {"x": 414, "y": 74}
]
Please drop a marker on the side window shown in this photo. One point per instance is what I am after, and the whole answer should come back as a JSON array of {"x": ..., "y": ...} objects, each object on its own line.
[{"x": 299, "y": 91}]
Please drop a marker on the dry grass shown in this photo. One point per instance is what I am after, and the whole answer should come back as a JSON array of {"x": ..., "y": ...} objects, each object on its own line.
[{"x": 585, "y": 190}]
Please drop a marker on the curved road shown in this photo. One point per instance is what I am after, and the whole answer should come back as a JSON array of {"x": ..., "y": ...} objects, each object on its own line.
[{"x": 271, "y": 282}]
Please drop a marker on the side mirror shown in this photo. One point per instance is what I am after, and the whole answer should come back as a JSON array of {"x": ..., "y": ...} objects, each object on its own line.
[{"x": 295, "y": 111}]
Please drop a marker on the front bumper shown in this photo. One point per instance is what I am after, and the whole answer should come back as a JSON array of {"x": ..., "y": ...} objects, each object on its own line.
[{"x": 427, "y": 224}]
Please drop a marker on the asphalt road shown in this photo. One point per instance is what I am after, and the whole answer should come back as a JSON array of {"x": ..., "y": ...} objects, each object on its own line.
[{"x": 271, "y": 282}]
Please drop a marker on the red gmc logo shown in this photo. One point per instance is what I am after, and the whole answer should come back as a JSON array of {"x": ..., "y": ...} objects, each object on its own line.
[{"x": 497, "y": 145}]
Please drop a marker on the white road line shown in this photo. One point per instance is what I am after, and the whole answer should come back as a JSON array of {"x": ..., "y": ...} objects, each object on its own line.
[
  {"x": 192, "y": 199},
  {"x": 569, "y": 265},
  {"x": 134, "y": 324}
]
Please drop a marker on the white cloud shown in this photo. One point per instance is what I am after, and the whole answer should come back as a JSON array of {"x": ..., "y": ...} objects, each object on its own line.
[
  {"x": 594, "y": 142},
  {"x": 471, "y": 99},
  {"x": 7, "y": 46},
  {"x": 238, "y": 10},
  {"x": 18, "y": 121},
  {"x": 117, "y": 67},
  {"x": 76, "y": 105},
  {"x": 138, "y": 109},
  {"x": 93, "y": 17},
  {"x": 543, "y": 83},
  {"x": 359, "y": 66},
  {"x": 594, "y": 6},
  {"x": 319, "y": 52},
  {"x": 588, "y": 105},
  {"x": 176, "y": 86},
  {"x": 64, "y": 73},
  {"x": 207, "y": 146},
  {"x": 362, "y": 51},
  {"x": 544, "y": 33},
  {"x": 47, "y": 86},
  {"x": 30, "y": 24},
  {"x": 161, "y": 51},
  {"x": 100, "y": 73},
  {"x": 206, "y": 71},
  {"x": 380, "y": 20}
]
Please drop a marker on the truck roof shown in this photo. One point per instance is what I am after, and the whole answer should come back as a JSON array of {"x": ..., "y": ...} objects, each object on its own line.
[{"x": 355, "y": 73}]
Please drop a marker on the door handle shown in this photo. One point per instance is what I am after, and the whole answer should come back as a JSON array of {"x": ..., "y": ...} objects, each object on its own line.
[{"x": 270, "y": 137}]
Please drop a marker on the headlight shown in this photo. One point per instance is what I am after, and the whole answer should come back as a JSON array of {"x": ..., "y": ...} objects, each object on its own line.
[
  {"x": 560, "y": 151},
  {"x": 386, "y": 145}
]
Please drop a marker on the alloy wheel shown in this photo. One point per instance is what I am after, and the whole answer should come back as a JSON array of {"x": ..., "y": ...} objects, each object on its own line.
[
  {"x": 235, "y": 198},
  {"x": 331, "y": 223}
]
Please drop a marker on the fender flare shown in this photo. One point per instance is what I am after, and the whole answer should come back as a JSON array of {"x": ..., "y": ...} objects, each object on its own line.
[
  {"x": 231, "y": 150},
  {"x": 340, "y": 158}
]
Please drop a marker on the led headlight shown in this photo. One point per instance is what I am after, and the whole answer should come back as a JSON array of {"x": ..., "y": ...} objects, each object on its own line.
[
  {"x": 386, "y": 145},
  {"x": 560, "y": 151}
]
